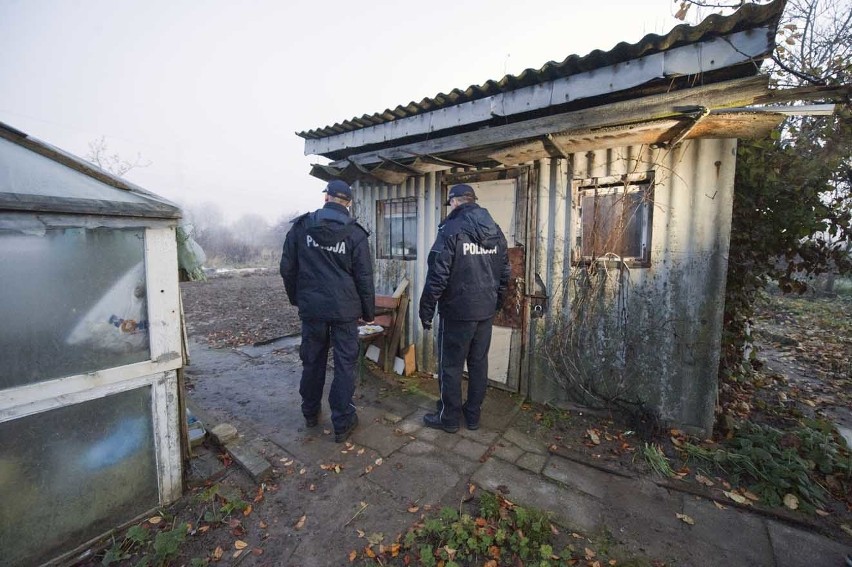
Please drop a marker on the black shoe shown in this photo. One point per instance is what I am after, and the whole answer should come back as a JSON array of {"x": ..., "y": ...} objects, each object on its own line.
[
  {"x": 433, "y": 420},
  {"x": 312, "y": 421},
  {"x": 471, "y": 424},
  {"x": 343, "y": 435}
]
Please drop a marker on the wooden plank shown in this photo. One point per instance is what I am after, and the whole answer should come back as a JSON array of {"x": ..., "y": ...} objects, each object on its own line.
[
  {"x": 163, "y": 295},
  {"x": 165, "y": 416},
  {"x": 738, "y": 92},
  {"x": 392, "y": 345}
]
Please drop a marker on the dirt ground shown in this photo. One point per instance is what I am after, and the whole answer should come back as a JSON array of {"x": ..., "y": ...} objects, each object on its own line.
[{"x": 239, "y": 308}]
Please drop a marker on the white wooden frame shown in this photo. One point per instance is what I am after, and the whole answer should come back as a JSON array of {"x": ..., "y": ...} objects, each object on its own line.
[{"x": 159, "y": 372}]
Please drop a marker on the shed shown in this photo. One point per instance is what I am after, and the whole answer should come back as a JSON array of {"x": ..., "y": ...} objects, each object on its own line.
[
  {"x": 612, "y": 176},
  {"x": 90, "y": 344}
]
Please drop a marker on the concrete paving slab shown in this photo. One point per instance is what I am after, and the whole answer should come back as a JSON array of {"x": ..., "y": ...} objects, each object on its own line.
[
  {"x": 483, "y": 435},
  {"x": 588, "y": 479},
  {"x": 257, "y": 467},
  {"x": 421, "y": 478},
  {"x": 374, "y": 432},
  {"x": 409, "y": 426},
  {"x": 728, "y": 537},
  {"x": 507, "y": 451},
  {"x": 439, "y": 438},
  {"x": 533, "y": 462},
  {"x": 470, "y": 449},
  {"x": 794, "y": 547},
  {"x": 571, "y": 508},
  {"x": 524, "y": 441}
]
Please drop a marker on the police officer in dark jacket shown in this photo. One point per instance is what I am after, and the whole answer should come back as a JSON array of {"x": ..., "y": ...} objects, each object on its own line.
[
  {"x": 328, "y": 274},
  {"x": 467, "y": 278}
]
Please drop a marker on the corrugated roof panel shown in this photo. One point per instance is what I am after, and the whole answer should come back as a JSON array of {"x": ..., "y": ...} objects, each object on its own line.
[{"x": 748, "y": 17}]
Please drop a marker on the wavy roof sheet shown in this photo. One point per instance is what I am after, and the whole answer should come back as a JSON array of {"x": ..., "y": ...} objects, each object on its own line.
[{"x": 748, "y": 17}]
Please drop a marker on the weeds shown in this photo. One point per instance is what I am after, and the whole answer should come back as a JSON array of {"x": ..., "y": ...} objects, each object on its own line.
[
  {"x": 657, "y": 460},
  {"x": 775, "y": 463}
]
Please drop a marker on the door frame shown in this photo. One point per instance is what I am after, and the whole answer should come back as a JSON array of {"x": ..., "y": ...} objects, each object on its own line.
[{"x": 524, "y": 177}]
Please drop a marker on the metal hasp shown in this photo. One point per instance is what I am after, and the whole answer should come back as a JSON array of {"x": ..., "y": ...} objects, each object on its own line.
[{"x": 538, "y": 299}]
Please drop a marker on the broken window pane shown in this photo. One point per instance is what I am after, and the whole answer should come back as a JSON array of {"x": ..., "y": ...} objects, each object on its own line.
[
  {"x": 613, "y": 220},
  {"x": 73, "y": 301}
]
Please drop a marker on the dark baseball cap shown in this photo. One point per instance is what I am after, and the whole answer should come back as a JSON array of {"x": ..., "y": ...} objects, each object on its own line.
[
  {"x": 338, "y": 188},
  {"x": 460, "y": 191}
]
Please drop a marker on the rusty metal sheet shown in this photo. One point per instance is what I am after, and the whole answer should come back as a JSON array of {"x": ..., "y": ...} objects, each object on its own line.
[{"x": 510, "y": 315}]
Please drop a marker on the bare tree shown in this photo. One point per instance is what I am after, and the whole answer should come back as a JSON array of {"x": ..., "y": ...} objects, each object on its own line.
[{"x": 100, "y": 155}]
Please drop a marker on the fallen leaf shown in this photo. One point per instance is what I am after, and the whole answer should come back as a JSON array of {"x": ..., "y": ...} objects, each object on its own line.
[
  {"x": 240, "y": 544},
  {"x": 352, "y": 555},
  {"x": 481, "y": 522},
  {"x": 154, "y": 520},
  {"x": 287, "y": 462},
  {"x": 203, "y": 529},
  {"x": 379, "y": 461},
  {"x": 704, "y": 480},
  {"x": 257, "y": 551},
  {"x": 720, "y": 506},
  {"x": 368, "y": 469},
  {"x": 846, "y": 528},
  {"x": 237, "y": 553},
  {"x": 739, "y": 499},
  {"x": 376, "y": 538},
  {"x": 360, "y": 452},
  {"x": 590, "y": 554},
  {"x": 326, "y": 431},
  {"x": 576, "y": 535},
  {"x": 751, "y": 495},
  {"x": 790, "y": 501},
  {"x": 217, "y": 553},
  {"x": 593, "y": 435},
  {"x": 822, "y": 513},
  {"x": 490, "y": 563},
  {"x": 262, "y": 525},
  {"x": 613, "y": 562},
  {"x": 360, "y": 533},
  {"x": 686, "y": 519},
  {"x": 301, "y": 523},
  {"x": 413, "y": 509},
  {"x": 302, "y": 471},
  {"x": 368, "y": 551},
  {"x": 247, "y": 511}
]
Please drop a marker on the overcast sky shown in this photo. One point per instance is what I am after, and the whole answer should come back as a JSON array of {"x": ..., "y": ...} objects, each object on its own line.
[{"x": 211, "y": 92}]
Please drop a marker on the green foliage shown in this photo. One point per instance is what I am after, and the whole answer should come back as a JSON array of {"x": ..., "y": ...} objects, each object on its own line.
[
  {"x": 657, "y": 460},
  {"x": 774, "y": 463},
  {"x": 791, "y": 218},
  {"x": 503, "y": 532}
]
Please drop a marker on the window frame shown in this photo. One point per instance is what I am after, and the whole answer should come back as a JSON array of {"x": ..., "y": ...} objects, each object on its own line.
[
  {"x": 384, "y": 248},
  {"x": 642, "y": 183}
]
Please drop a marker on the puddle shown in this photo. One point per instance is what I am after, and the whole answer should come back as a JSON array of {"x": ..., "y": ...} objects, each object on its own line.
[{"x": 287, "y": 342}]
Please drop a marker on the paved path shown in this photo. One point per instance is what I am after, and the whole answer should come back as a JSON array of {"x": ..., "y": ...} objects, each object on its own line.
[{"x": 257, "y": 391}]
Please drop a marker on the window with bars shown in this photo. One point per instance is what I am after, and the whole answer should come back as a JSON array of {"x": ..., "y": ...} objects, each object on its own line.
[
  {"x": 613, "y": 220},
  {"x": 396, "y": 229}
]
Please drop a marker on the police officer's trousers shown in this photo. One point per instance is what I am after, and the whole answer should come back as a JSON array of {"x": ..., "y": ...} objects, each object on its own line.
[
  {"x": 460, "y": 341},
  {"x": 317, "y": 336}
]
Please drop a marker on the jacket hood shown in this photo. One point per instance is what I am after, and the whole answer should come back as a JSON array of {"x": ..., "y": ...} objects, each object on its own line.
[
  {"x": 479, "y": 226},
  {"x": 328, "y": 225}
]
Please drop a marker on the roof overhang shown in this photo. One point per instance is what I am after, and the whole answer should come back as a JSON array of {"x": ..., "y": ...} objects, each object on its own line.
[{"x": 697, "y": 59}]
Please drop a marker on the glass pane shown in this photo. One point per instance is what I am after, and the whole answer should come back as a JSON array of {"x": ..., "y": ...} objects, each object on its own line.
[
  {"x": 633, "y": 225},
  {"x": 25, "y": 172},
  {"x": 73, "y": 473},
  {"x": 73, "y": 301}
]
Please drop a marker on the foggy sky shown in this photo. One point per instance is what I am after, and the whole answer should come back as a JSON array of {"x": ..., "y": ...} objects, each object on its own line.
[{"x": 212, "y": 92}]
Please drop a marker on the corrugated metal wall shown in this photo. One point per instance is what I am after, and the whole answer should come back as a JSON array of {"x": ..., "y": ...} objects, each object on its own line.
[
  {"x": 388, "y": 273},
  {"x": 675, "y": 305}
]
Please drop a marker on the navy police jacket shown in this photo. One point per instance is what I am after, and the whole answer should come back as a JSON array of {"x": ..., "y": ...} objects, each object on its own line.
[
  {"x": 468, "y": 267},
  {"x": 327, "y": 268}
]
